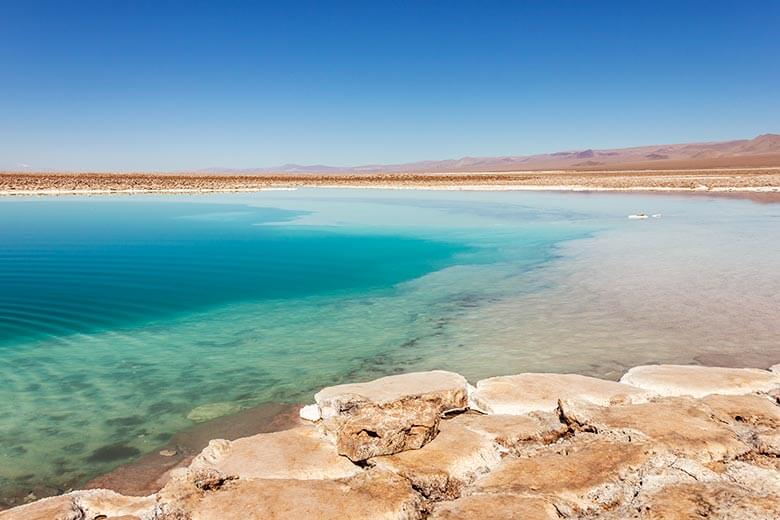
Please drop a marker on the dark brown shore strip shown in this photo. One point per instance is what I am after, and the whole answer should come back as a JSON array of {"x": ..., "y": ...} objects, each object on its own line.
[
  {"x": 719, "y": 179},
  {"x": 148, "y": 474}
]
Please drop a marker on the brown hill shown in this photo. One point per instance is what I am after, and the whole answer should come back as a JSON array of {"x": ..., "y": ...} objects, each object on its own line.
[{"x": 761, "y": 151}]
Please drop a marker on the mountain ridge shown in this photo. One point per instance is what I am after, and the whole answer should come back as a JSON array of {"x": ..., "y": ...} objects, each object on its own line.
[{"x": 760, "y": 151}]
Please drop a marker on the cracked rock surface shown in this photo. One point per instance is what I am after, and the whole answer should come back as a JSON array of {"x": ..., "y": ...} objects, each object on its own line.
[
  {"x": 551, "y": 446},
  {"x": 524, "y": 393}
]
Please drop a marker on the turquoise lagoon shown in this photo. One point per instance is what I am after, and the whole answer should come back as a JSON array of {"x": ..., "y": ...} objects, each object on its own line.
[{"x": 126, "y": 319}]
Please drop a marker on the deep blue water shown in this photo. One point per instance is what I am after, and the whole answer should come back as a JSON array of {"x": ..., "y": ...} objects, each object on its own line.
[{"x": 70, "y": 267}]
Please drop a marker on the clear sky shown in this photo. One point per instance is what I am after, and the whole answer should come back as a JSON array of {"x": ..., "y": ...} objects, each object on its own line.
[{"x": 155, "y": 85}]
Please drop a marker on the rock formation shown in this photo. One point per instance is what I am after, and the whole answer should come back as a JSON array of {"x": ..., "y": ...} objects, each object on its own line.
[
  {"x": 391, "y": 414},
  {"x": 697, "y": 381},
  {"x": 668, "y": 442},
  {"x": 524, "y": 393}
]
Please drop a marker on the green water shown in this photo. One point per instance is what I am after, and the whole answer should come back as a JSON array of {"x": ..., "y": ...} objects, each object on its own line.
[
  {"x": 121, "y": 318},
  {"x": 124, "y": 320}
]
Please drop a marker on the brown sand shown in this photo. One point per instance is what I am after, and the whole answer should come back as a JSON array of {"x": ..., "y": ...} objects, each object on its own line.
[
  {"x": 742, "y": 179},
  {"x": 149, "y": 473}
]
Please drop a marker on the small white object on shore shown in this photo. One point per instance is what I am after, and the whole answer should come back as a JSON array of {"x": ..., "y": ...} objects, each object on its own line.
[{"x": 310, "y": 412}]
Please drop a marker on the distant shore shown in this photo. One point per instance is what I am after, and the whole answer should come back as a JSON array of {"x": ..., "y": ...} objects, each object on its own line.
[{"x": 750, "y": 180}]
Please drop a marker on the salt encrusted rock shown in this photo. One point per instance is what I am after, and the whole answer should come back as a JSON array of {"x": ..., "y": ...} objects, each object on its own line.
[
  {"x": 298, "y": 453},
  {"x": 768, "y": 443},
  {"x": 756, "y": 419},
  {"x": 310, "y": 412},
  {"x": 185, "y": 488},
  {"x": 54, "y": 508},
  {"x": 524, "y": 393},
  {"x": 775, "y": 368},
  {"x": 442, "y": 390},
  {"x": 97, "y": 503},
  {"x": 515, "y": 432},
  {"x": 584, "y": 475},
  {"x": 372, "y": 430},
  {"x": 749, "y": 411},
  {"x": 440, "y": 469},
  {"x": 85, "y": 505},
  {"x": 760, "y": 480},
  {"x": 698, "y": 381},
  {"x": 391, "y": 414},
  {"x": 704, "y": 500},
  {"x": 370, "y": 495},
  {"x": 681, "y": 425},
  {"x": 495, "y": 507}
]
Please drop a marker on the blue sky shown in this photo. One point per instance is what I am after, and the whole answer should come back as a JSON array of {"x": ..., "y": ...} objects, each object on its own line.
[{"x": 136, "y": 85}]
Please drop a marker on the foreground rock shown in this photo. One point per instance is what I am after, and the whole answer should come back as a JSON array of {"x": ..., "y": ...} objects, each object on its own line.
[
  {"x": 370, "y": 495},
  {"x": 440, "y": 470},
  {"x": 54, "y": 508},
  {"x": 755, "y": 419},
  {"x": 679, "y": 425},
  {"x": 579, "y": 476},
  {"x": 709, "y": 500},
  {"x": 92, "y": 504},
  {"x": 496, "y": 507},
  {"x": 391, "y": 414},
  {"x": 696, "y": 381},
  {"x": 563, "y": 446},
  {"x": 298, "y": 453},
  {"x": 525, "y": 393},
  {"x": 517, "y": 433}
]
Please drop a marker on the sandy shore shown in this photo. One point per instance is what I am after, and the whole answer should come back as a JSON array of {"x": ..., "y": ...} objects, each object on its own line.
[{"x": 758, "y": 180}]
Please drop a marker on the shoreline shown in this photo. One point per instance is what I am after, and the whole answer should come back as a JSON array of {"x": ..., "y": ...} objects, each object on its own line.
[
  {"x": 147, "y": 473},
  {"x": 476, "y": 187},
  {"x": 739, "y": 180},
  {"x": 664, "y": 438}
]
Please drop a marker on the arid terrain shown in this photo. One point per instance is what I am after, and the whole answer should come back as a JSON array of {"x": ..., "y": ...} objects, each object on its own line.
[
  {"x": 760, "y": 179},
  {"x": 760, "y": 152},
  {"x": 743, "y": 165}
]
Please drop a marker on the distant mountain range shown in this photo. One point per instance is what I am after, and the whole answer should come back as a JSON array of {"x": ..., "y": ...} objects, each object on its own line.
[{"x": 761, "y": 151}]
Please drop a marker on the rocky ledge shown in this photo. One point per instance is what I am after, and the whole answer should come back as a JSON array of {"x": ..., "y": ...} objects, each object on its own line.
[{"x": 667, "y": 442}]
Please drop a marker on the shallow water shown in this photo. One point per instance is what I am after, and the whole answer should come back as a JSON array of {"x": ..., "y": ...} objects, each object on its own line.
[{"x": 124, "y": 320}]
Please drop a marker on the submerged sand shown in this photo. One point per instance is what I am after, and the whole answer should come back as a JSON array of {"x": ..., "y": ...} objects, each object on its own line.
[{"x": 148, "y": 473}]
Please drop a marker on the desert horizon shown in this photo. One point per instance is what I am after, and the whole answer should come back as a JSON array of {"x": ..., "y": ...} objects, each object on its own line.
[
  {"x": 714, "y": 167},
  {"x": 390, "y": 260},
  {"x": 762, "y": 151}
]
